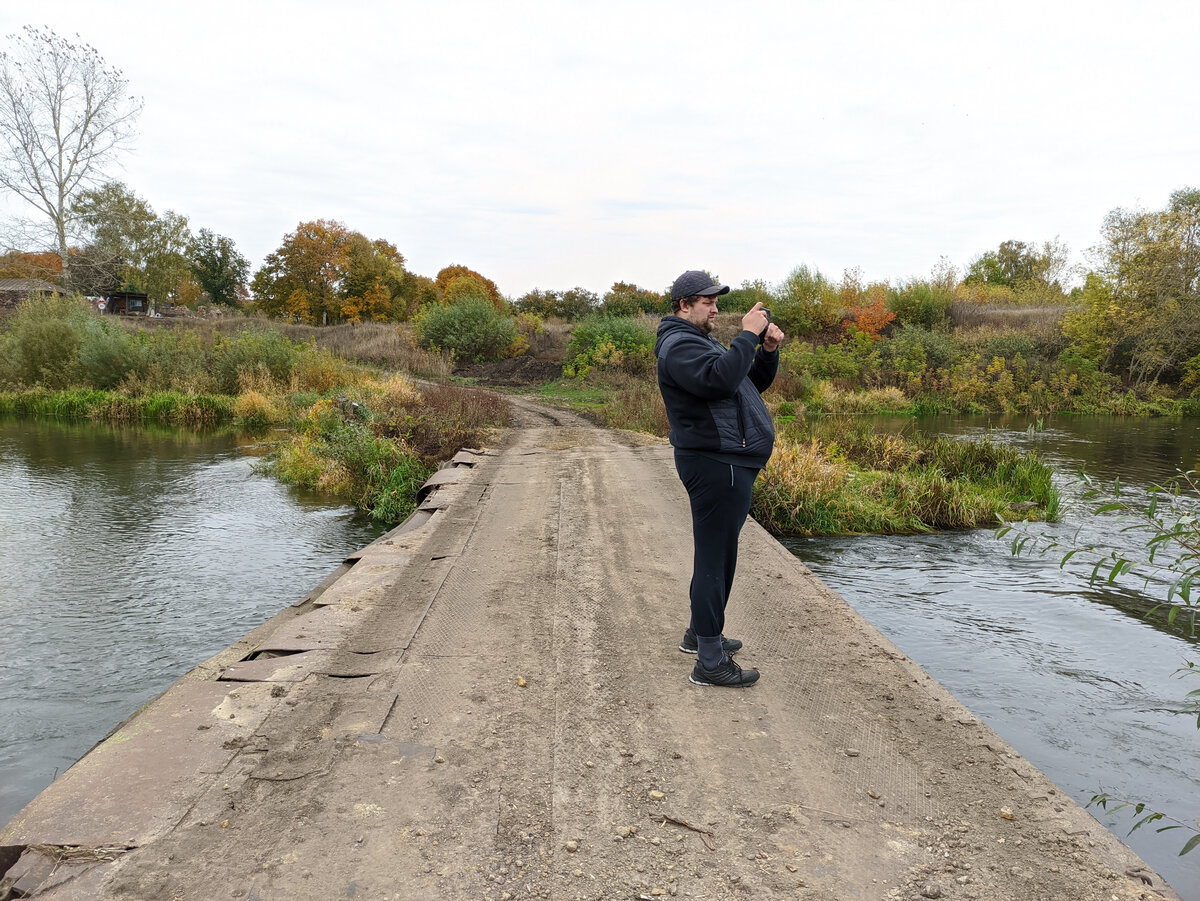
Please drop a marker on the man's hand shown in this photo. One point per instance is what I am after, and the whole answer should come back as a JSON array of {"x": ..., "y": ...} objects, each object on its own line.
[
  {"x": 773, "y": 338},
  {"x": 756, "y": 320}
]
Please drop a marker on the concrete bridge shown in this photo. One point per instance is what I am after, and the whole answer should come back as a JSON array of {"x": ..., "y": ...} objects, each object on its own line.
[{"x": 489, "y": 703}]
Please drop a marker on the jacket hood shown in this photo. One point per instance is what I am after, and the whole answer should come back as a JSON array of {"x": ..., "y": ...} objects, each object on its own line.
[{"x": 672, "y": 324}]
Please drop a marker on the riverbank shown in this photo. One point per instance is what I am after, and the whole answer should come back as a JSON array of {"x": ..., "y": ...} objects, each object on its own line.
[{"x": 428, "y": 725}]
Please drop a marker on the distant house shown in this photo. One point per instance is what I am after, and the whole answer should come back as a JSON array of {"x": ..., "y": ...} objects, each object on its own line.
[
  {"x": 15, "y": 290},
  {"x": 127, "y": 302}
]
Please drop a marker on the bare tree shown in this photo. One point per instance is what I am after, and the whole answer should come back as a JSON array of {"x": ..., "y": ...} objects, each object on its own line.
[{"x": 64, "y": 113}]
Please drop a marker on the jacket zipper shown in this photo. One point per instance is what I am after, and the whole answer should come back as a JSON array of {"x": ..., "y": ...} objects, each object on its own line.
[{"x": 741, "y": 416}]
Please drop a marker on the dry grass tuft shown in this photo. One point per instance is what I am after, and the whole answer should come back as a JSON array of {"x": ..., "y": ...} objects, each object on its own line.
[
  {"x": 550, "y": 344},
  {"x": 254, "y": 408},
  {"x": 1032, "y": 322}
]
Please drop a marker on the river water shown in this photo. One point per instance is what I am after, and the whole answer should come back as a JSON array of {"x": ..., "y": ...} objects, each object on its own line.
[
  {"x": 1072, "y": 674},
  {"x": 128, "y": 556}
]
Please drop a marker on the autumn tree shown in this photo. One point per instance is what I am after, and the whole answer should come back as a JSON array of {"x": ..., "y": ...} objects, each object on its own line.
[
  {"x": 447, "y": 275},
  {"x": 45, "y": 266},
  {"x": 64, "y": 116},
  {"x": 217, "y": 266},
  {"x": 325, "y": 273},
  {"x": 1140, "y": 312},
  {"x": 302, "y": 278},
  {"x": 869, "y": 312}
]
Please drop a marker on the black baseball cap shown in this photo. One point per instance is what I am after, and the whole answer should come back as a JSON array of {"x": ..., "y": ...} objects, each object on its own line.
[{"x": 695, "y": 283}]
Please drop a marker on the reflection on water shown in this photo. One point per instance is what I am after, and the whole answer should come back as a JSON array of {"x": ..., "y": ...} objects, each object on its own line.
[
  {"x": 1069, "y": 673},
  {"x": 129, "y": 555}
]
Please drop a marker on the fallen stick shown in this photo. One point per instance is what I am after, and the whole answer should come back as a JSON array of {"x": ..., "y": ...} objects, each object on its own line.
[{"x": 706, "y": 835}]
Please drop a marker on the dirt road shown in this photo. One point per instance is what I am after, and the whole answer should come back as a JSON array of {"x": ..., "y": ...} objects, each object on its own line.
[{"x": 492, "y": 705}]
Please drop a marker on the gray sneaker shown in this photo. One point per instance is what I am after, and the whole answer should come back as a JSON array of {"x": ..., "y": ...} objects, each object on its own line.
[
  {"x": 689, "y": 645},
  {"x": 726, "y": 673}
]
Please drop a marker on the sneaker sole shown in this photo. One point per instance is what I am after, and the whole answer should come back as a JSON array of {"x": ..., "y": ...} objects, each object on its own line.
[
  {"x": 695, "y": 681},
  {"x": 689, "y": 650}
]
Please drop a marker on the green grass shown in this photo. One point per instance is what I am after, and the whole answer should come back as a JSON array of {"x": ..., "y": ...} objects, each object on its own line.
[
  {"x": 837, "y": 477},
  {"x": 580, "y": 393},
  {"x": 164, "y": 408}
]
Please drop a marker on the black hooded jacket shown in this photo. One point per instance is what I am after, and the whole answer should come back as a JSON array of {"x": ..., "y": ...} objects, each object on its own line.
[{"x": 713, "y": 394}]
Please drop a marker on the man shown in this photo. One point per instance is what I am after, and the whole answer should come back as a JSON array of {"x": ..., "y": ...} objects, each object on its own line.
[{"x": 722, "y": 435}]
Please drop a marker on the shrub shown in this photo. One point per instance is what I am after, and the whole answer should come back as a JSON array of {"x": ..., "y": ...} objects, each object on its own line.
[
  {"x": 914, "y": 344},
  {"x": 317, "y": 370},
  {"x": 922, "y": 303},
  {"x": 254, "y": 359},
  {"x": 806, "y": 302},
  {"x": 610, "y": 342},
  {"x": 743, "y": 299},
  {"x": 850, "y": 361},
  {"x": 472, "y": 329},
  {"x": 1010, "y": 346},
  {"x": 463, "y": 287},
  {"x": 108, "y": 355},
  {"x": 44, "y": 335},
  {"x": 624, "y": 299},
  {"x": 254, "y": 410}
]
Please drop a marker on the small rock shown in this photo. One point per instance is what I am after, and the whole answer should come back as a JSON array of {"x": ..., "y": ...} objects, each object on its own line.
[
  {"x": 656, "y": 796},
  {"x": 852, "y": 752},
  {"x": 521, "y": 683},
  {"x": 931, "y": 890},
  {"x": 439, "y": 759},
  {"x": 578, "y": 873},
  {"x": 572, "y": 846},
  {"x": 1006, "y": 813},
  {"x": 589, "y": 764}
]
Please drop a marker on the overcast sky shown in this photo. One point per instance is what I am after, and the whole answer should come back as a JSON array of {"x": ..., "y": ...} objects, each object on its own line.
[{"x": 553, "y": 144}]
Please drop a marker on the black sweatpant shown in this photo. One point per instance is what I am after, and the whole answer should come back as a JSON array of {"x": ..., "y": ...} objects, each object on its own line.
[{"x": 720, "y": 498}]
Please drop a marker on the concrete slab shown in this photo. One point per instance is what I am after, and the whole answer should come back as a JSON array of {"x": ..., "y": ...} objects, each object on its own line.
[{"x": 140, "y": 781}]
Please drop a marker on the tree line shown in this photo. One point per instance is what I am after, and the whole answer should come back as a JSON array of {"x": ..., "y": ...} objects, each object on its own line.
[{"x": 66, "y": 114}]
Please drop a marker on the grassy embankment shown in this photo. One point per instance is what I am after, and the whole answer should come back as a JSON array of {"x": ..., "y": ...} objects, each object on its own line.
[{"x": 345, "y": 428}]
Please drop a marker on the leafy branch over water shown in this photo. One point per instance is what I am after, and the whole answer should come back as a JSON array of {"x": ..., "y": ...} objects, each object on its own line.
[
  {"x": 1166, "y": 529},
  {"x": 1166, "y": 550}
]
